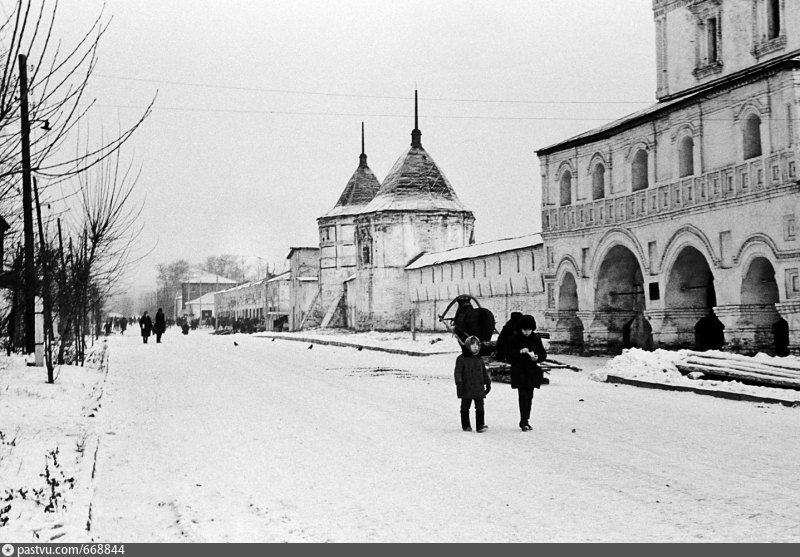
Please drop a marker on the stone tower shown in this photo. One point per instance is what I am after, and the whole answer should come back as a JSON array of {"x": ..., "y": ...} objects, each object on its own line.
[
  {"x": 416, "y": 210},
  {"x": 336, "y": 240}
]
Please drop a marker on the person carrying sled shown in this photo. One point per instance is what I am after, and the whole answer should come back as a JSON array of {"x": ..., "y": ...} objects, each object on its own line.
[
  {"x": 524, "y": 351},
  {"x": 473, "y": 383},
  {"x": 146, "y": 326}
]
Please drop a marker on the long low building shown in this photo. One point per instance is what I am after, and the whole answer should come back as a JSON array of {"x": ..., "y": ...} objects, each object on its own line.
[{"x": 503, "y": 276}]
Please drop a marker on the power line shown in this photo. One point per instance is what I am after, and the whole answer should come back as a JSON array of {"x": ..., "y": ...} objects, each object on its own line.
[
  {"x": 354, "y": 95},
  {"x": 349, "y": 114},
  {"x": 405, "y": 116}
]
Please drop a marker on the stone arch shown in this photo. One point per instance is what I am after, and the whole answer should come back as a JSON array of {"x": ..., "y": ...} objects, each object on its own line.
[
  {"x": 757, "y": 325},
  {"x": 750, "y": 119},
  {"x": 758, "y": 285},
  {"x": 565, "y": 177},
  {"x": 598, "y": 170},
  {"x": 566, "y": 265},
  {"x": 567, "y": 293},
  {"x": 686, "y": 165},
  {"x": 567, "y": 330},
  {"x": 619, "y": 281},
  {"x": 690, "y": 298},
  {"x": 640, "y": 170},
  {"x": 619, "y": 300},
  {"x": 688, "y": 235},
  {"x": 751, "y": 136},
  {"x": 621, "y": 236},
  {"x": 760, "y": 244}
]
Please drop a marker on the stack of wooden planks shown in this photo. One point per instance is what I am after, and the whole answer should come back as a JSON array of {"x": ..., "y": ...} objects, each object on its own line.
[{"x": 773, "y": 373}]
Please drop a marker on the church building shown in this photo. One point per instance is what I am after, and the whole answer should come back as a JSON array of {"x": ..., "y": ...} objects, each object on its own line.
[
  {"x": 415, "y": 210},
  {"x": 676, "y": 226}
]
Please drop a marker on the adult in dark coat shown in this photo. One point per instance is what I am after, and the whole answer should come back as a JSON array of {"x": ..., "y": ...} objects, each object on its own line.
[
  {"x": 123, "y": 324},
  {"x": 146, "y": 326},
  {"x": 505, "y": 335},
  {"x": 161, "y": 325},
  {"x": 524, "y": 351},
  {"x": 473, "y": 382}
]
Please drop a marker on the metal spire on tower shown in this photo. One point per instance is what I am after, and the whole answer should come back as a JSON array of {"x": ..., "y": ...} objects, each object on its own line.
[{"x": 416, "y": 135}]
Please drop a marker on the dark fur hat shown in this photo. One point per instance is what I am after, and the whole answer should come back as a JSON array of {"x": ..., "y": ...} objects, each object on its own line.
[{"x": 526, "y": 322}]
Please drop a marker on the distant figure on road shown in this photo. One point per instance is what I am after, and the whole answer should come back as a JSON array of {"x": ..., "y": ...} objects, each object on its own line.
[
  {"x": 161, "y": 325},
  {"x": 523, "y": 352},
  {"x": 107, "y": 327},
  {"x": 146, "y": 325},
  {"x": 473, "y": 382},
  {"x": 123, "y": 324},
  {"x": 185, "y": 327}
]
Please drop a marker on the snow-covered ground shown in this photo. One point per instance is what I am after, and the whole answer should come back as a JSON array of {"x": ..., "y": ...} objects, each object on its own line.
[
  {"x": 48, "y": 441},
  {"x": 201, "y": 439},
  {"x": 659, "y": 366},
  {"x": 421, "y": 342}
]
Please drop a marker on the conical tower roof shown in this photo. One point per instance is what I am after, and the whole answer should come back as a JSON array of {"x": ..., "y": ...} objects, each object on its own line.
[
  {"x": 360, "y": 189},
  {"x": 415, "y": 182}
]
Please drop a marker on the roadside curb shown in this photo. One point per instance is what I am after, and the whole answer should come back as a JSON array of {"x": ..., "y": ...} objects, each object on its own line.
[
  {"x": 699, "y": 391},
  {"x": 352, "y": 345}
]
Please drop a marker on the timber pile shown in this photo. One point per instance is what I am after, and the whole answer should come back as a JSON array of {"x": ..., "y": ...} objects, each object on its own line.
[{"x": 777, "y": 373}]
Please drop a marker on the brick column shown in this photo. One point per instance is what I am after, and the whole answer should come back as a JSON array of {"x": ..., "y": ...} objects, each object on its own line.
[
  {"x": 603, "y": 334},
  {"x": 566, "y": 331},
  {"x": 674, "y": 327},
  {"x": 790, "y": 311},
  {"x": 748, "y": 328}
]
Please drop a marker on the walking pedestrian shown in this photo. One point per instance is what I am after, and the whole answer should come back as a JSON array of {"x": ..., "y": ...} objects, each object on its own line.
[
  {"x": 524, "y": 351},
  {"x": 161, "y": 325},
  {"x": 123, "y": 324},
  {"x": 146, "y": 326},
  {"x": 473, "y": 383},
  {"x": 508, "y": 330}
]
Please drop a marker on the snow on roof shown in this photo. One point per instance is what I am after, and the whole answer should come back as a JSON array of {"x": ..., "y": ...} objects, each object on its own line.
[
  {"x": 475, "y": 250},
  {"x": 415, "y": 183},
  {"x": 203, "y": 300},
  {"x": 283, "y": 276},
  {"x": 307, "y": 279},
  {"x": 351, "y": 277},
  {"x": 207, "y": 278},
  {"x": 243, "y": 285},
  {"x": 360, "y": 190},
  {"x": 299, "y": 248}
]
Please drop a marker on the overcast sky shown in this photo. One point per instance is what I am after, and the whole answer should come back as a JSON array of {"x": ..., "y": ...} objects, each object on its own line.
[{"x": 256, "y": 127}]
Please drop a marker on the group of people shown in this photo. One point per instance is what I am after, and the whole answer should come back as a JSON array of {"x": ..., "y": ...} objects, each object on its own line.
[
  {"x": 521, "y": 347},
  {"x": 147, "y": 327}
]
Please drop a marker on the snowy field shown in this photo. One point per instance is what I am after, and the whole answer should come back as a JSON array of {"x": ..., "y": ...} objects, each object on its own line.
[{"x": 199, "y": 439}]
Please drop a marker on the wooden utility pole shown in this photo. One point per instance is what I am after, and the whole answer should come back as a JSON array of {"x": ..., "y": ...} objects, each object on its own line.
[
  {"x": 47, "y": 302},
  {"x": 29, "y": 284}
]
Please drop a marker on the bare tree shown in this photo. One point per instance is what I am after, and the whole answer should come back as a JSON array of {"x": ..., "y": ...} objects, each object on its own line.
[
  {"x": 225, "y": 265},
  {"x": 58, "y": 78},
  {"x": 87, "y": 263}
]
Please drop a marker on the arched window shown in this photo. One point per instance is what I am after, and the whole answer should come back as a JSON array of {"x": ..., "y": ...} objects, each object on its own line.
[
  {"x": 686, "y": 157},
  {"x": 773, "y": 18},
  {"x": 752, "y": 136},
  {"x": 639, "y": 178},
  {"x": 598, "y": 181},
  {"x": 566, "y": 188}
]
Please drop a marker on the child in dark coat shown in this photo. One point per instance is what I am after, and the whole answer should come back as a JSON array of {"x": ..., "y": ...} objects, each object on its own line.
[
  {"x": 524, "y": 351},
  {"x": 473, "y": 382}
]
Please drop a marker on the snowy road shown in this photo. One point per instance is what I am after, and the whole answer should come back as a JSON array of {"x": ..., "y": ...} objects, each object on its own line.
[{"x": 202, "y": 440}]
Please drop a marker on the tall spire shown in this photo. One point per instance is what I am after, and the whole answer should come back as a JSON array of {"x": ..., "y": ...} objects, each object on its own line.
[
  {"x": 363, "y": 157},
  {"x": 416, "y": 135}
]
